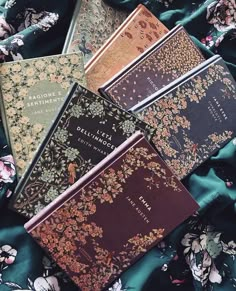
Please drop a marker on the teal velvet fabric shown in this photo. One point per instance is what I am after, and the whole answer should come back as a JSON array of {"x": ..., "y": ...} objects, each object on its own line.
[{"x": 198, "y": 255}]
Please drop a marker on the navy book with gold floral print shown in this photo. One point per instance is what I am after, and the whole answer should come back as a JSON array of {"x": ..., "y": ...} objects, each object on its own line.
[
  {"x": 85, "y": 131},
  {"x": 194, "y": 116},
  {"x": 132, "y": 186}
]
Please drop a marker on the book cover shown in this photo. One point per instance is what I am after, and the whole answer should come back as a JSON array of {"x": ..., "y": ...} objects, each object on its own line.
[
  {"x": 32, "y": 92},
  {"x": 85, "y": 131},
  {"x": 195, "y": 118},
  {"x": 131, "y": 187},
  {"x": 170, "y": 58},
  {"x": 92, "y": 24},
  {"x": 137, "y": 33}
]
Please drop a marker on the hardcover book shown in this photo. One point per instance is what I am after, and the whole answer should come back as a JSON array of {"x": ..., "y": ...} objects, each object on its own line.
[
  {"x": 92, "y": 24},
  {"x": 85, "y": 131},
  {"x": 194, "y": 118},
  {"x": 137, "y": 33},
  {"x": 32, "y": 92},
  {"x": 170, "y": 58},
  {"x": 131, "y": 187}
]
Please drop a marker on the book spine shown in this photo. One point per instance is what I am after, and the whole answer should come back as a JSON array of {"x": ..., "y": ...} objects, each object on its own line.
[
  {"x": 178, "y": 82},
  {"x": 103, "y": 93},
  {"x": 82, "y": 182},
  {"x": 113, "y": 37},
  {"x": 72, "y": 28},
  {"x": 107, "y": 85}
]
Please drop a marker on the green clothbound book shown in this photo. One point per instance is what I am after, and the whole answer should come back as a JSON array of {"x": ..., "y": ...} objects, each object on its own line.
[{"x": 32, "y": 92}]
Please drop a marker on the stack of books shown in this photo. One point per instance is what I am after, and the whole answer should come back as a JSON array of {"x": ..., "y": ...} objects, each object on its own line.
[{"x": 103, "y": 134}]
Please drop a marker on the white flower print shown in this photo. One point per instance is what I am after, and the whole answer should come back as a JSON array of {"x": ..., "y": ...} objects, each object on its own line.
[
  {"x": 96, "y": 109},
  {"x": 48, "y": 21},
  {"x": 221, "y": 14},
  {"x": 204, "y": 270},
  {"x": 10, "y": 3},
  {"x": 128, "y": 126},
  {"x": 47, "y": 284},
  {"x": 6, "y": 29},
  {"x": 38, "y": 207},
  {"x": 43, "y": 284},
  {"x": 117, "y": 286},
  {"x": 7, "y": 255},
  {"x": 43, "y": 20},
  {"x": 200, "y": 252},
  {"x": 229, "y": 248}
]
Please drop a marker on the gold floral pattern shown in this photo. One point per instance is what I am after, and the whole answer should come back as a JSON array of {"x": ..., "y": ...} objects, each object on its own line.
[
  {"x": 169, "y": 115},
  {"x": 16, "y": 81},
  {"x": 137, "y": 33},
  {"x": 75, "y": 241},
  {"x": 167, "y": 62},
  {"x": 63, "y": 159}
]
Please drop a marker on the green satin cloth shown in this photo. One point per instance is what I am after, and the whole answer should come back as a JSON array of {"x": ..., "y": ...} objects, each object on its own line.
[{"x": 200, "y": 253}]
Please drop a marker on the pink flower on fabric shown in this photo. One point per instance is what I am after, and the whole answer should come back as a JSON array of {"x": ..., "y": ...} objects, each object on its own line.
[
  {"x": 222, "y": 14},
  {"x": 7, "y": 169},
  {"x": 7, "y": 254}
]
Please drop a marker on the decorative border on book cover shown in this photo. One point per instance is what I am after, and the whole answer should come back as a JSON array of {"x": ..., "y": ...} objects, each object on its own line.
[
  {"x": 17, "y": 79},
  {"x": 96, "y": 22},
  {"x": 60, "y": 164},
  {"x": 74, "y": 219},
  {"x": 165, "y": 65},
  {"x": 167, "y": 116}
]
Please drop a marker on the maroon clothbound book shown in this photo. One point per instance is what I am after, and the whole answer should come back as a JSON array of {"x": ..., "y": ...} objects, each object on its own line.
[
  {"x": 115, "y": 213},
  {"x": 136, "y": 34},
  {"x": 165, "y": 61}
]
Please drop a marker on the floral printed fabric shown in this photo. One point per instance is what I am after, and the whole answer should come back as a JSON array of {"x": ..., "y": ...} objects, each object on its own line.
[
  {"x": 200, "y": 254},
  {"x": 33, "y": 28}
]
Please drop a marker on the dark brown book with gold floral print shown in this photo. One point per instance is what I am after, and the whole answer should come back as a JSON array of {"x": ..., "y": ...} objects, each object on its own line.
[
  {"x": 194, "y": 118},
  {"x": 170, "y": 58},
  {"x": 132, "y": 187},
  {"x": 86, "y": 130},
  {"x": 136, "y": 34}
]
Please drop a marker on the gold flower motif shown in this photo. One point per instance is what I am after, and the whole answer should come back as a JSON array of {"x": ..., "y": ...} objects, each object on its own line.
[
  {"x": 39, "y": 64},
  {"x": 31, "y": 82},
  {"x": 74, "y": 59},
  {"x": 4, "y": 69},
  {"x": 24, "y": 119},
  {"x": 19, "y": 104},
  {"x": 66, "y": 70},
  {"x": 21, "y": 164},
  {"x": 7, "y": 86},
  {"x": 63, "y": 60},
  {"x": 23, "y": 92},
  {"x": 42, "y": 76},
  {"x": 16, "y": 68},
  {"x": 8, "y": 97},
  {"x": 37, "y": 127},
  {"x": 52, "y": 69},
  {"x": 65, "y": 85},
  {"x": 18, "y": 147},
  {"x": 30, "y": 72},
  {"x": 77, "y": 75},
  {"x": 28, "y": 139},
  {"x": 11, "y": 112},
  {"x": 15, "y": 130}
]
